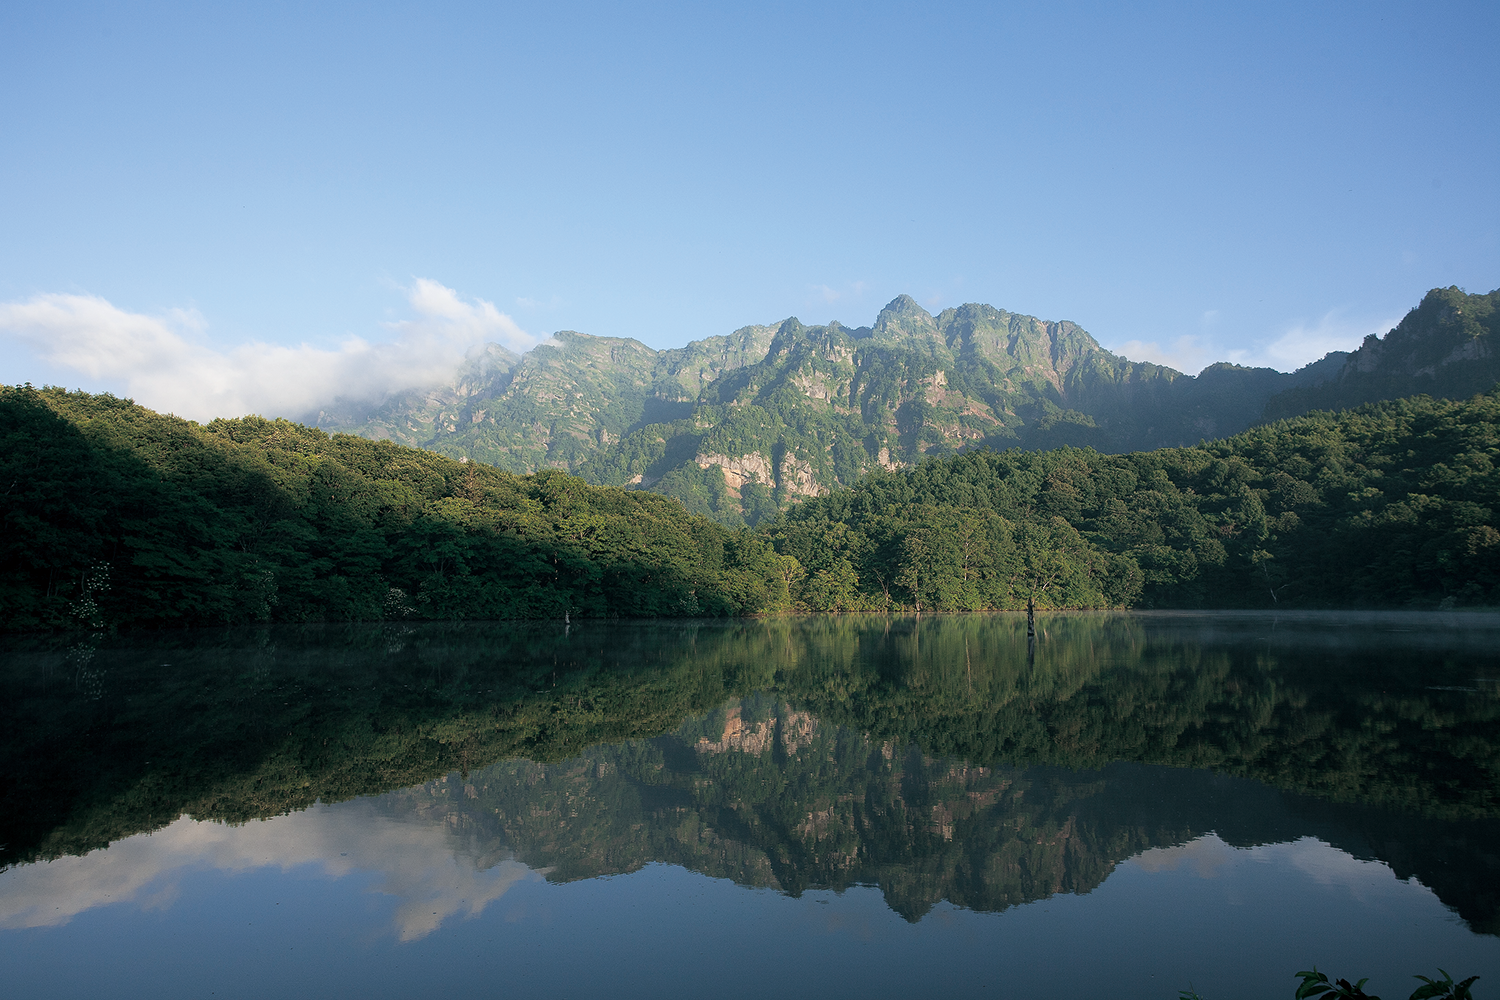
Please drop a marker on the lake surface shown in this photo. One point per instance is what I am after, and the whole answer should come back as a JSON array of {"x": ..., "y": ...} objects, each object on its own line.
[{"x": 1129, "y": 806}]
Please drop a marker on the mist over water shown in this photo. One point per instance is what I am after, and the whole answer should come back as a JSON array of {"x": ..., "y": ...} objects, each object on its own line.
[{"x": 885, "y": 804}]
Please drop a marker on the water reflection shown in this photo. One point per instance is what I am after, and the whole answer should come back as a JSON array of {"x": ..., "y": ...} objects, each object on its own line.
[
  {"x": 769, "y": 796},
  {"x": 432, "y": 873},
  {"x": 934, "y": 758}
]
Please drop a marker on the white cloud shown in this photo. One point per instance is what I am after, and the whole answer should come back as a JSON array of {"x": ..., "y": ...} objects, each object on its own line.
[
  {"x": 1206, "y": 856},
  {"x": 1303, "y": 343},
  {"x": 1185, "y": 354},
  {"x": 423, "y": 865},
  {"x": 163, "y": 361},
  {"x": 534, "y": 304}
]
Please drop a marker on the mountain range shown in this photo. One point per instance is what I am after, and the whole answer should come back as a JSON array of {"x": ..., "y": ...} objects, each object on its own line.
[{"x": 737, "y": 426}]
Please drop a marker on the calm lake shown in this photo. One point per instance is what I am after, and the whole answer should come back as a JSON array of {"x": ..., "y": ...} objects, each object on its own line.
[{"x": 1128, "y": 806}]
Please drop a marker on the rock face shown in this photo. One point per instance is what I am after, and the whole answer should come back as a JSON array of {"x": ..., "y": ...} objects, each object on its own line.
[
  {"x": 739, "y": 472},
  {"x": 736, "y": 426},
  {"x": 826, "y": 405}
]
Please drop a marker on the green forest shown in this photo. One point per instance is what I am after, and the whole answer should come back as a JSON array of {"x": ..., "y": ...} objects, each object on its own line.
[
  {"x": 116, "y": 516},
  {"x": 1390, "y": 504}
]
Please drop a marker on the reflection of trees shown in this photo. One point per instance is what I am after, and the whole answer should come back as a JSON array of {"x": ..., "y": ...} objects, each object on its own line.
[{"x": 255, "y": 723}]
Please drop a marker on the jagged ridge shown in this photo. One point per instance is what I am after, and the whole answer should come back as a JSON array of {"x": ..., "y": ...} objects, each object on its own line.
[{"x": 738, "y": 426}]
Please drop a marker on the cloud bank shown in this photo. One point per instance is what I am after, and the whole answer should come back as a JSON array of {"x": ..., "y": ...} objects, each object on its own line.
[
  {"x": 164, "y": 362},
  {"x": 1304, "y": 343}
]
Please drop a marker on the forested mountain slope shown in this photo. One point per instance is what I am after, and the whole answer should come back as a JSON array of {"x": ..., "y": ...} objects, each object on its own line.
[
  {"x": 791, "y": 410},
  {"x": 829, "y": 404},
  {"x": 739, "y": 426},
  {"x": 1391, "y": 504},
  {"x": 117, "y": 516},
  {"x": 555, "y": 406}
]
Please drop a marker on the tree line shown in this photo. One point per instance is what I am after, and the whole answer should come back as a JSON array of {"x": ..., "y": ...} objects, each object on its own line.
[{"x": 118, "y": 516}]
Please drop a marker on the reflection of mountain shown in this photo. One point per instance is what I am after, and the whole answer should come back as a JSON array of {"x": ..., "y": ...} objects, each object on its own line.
[
  {"x": 108, "y": 741},
  {"x": 770, "y": 797},
  {"x": 779, "y": 801},
  {"x": 443, "y": 850}
]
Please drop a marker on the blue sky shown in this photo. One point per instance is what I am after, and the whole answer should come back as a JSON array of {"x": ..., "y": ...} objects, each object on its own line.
[{"x": 285, "y": 185}]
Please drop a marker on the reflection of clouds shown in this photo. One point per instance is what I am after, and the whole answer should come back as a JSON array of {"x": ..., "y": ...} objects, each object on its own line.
[
  {"x": 419, "y": 862},
  {"x": 1327, "y": 865},
  {"x": 1206, "y": 856},
  {"x": 1209, "y": 857}
]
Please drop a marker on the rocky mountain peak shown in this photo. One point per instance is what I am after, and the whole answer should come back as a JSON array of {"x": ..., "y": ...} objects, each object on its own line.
[
  {"x": 1449, "y": 326},
  {"x": 903, "y": 318},
  {"x": 807, "y": 408},
  {"x": 787, "y": 334}
]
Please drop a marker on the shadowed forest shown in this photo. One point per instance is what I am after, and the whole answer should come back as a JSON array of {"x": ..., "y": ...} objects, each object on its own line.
[{"x": 116, "y": 516}]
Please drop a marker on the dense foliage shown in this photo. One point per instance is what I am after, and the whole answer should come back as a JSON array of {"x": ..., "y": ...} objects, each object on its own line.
[
  {"x": 117, "y": 515},
  {"x": 1390, "y": 504},
  {"x": 1317, "y": 984}
]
